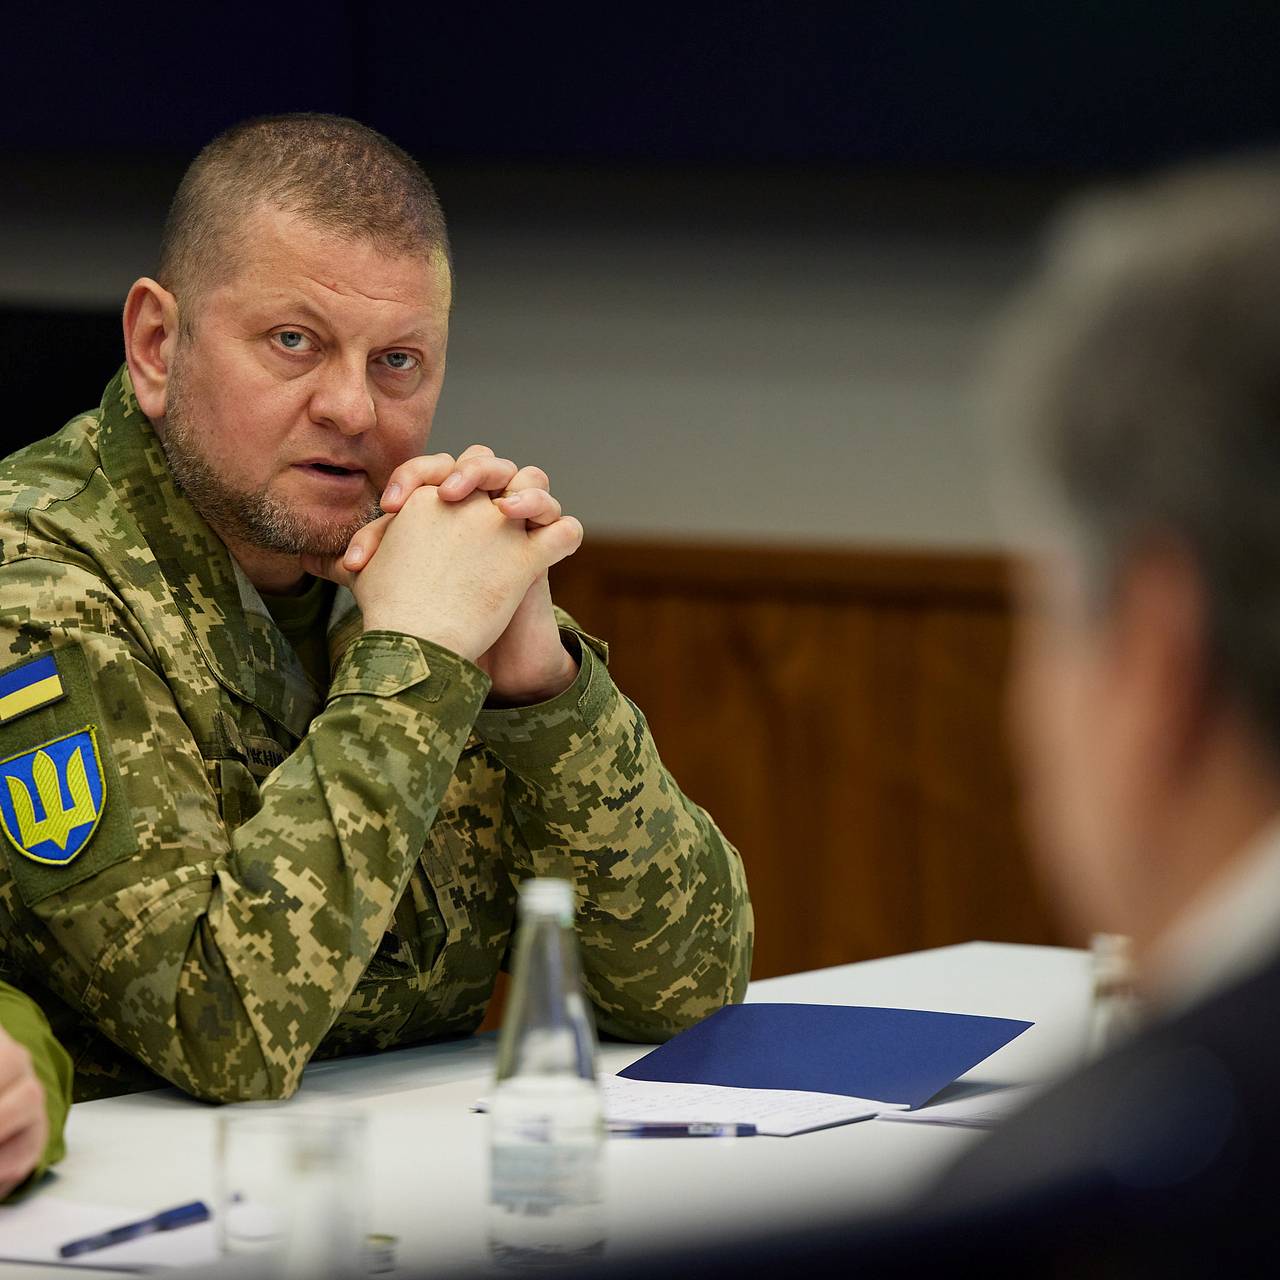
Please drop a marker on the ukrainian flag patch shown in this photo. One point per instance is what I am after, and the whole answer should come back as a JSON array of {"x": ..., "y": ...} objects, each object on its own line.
[
  {"x": 29, "y": 685},
  {"x": 52, "y": 797}
]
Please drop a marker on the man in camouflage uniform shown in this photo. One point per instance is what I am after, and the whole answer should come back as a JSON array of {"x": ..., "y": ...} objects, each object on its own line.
[{"x": 286, "y": 712}]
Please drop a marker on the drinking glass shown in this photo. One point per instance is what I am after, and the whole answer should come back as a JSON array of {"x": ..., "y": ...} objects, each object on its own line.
[{"x": 291, "y": 1188}]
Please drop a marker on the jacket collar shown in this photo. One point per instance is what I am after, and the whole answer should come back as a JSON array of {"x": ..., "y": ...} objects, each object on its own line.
[{"x": 224, "y": 614}]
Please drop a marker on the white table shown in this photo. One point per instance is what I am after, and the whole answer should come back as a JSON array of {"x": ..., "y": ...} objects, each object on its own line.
[{"x": 149, "y": 1151}]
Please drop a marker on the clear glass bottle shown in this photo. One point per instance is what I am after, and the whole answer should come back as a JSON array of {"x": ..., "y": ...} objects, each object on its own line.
[{"x": 546, "y": 1202}]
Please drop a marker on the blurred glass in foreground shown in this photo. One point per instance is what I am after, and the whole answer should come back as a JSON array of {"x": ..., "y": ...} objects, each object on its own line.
[{"x": 291, "y": 1190}]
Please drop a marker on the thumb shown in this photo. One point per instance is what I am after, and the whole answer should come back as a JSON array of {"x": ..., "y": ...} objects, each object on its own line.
[{"x": 554, "y": 542}]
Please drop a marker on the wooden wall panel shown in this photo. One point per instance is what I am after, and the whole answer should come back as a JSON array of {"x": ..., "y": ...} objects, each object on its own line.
[
  {"x": 973, "y": 869},
  {"x": 840, "y": 715}
]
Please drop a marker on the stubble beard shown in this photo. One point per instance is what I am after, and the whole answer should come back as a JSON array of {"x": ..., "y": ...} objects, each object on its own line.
[{"x": 254, "y": 517}]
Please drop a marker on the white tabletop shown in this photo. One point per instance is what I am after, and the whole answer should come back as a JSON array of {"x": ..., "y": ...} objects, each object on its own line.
[{"x": 153, "y": 1150}]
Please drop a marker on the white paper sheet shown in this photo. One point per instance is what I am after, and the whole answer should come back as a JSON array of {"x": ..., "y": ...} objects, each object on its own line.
[
  {"x": 776, "y": 1113},
  {"x": 978, "y": 1110},
  {"x": 33, "y": 1230}
]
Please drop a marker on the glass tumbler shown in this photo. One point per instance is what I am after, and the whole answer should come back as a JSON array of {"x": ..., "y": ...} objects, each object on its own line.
[{"x": 291, "y": 1188}]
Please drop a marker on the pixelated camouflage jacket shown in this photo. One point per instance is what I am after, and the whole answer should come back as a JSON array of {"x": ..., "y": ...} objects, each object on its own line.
[{"x": 272, "y": 871}]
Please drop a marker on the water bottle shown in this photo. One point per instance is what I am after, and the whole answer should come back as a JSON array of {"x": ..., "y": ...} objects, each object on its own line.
[{"x": 546, "y": 1127}]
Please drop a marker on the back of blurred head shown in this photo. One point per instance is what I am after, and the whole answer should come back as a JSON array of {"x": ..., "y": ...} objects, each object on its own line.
[{"x": 1136, "y": 387}]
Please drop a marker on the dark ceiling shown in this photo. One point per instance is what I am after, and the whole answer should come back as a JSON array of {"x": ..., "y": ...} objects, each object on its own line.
[{"x": 1054, "y": 86}]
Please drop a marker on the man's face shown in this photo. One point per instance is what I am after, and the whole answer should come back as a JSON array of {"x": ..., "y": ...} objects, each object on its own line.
[
  {"x": 1073, "y": 747},
  {"x": 309, "y": 376}
]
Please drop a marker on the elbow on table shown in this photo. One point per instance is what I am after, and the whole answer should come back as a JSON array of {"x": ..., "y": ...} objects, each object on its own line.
[
  {"x": 224, "y": 1083},
  {"x": 667, "y": 1016},
  {"x": 230, "y": 1058},
  {"x": 276, "y": 1091},
  {"x": 651, "y": 1026},
  {"x": 647, "y": 1011},
  {"x": 228, "y": 1090}
]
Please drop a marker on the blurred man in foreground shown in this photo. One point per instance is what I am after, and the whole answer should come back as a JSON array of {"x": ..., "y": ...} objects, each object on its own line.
[
  {"x": 35, "y": 1092},
  {"x": 1138, "y": 385}
]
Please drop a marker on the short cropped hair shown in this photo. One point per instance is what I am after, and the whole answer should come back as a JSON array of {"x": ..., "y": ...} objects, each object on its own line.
[
  {"x": 1141, "y": 373},
  {"x": 336, "y": 173}
]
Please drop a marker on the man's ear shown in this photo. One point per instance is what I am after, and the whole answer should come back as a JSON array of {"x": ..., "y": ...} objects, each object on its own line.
[
  {"x": 150, "y": 340},
  {"x": 1161, "y": 614}
]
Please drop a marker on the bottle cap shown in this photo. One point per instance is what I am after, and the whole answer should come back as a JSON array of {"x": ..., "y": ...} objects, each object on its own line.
[{"x": 547, "y": 897}]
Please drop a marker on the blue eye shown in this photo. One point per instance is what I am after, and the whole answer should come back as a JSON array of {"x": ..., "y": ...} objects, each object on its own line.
[
  {"x": 292, "y": 340},
  {"x": 401, "y": 361}
]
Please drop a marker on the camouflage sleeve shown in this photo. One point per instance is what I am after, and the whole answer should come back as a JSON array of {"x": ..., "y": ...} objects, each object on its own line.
[
  {"x": 664, "y": 918},
  {"x": 24, "y": 1022},
  {"x": 221, "y": 957}
]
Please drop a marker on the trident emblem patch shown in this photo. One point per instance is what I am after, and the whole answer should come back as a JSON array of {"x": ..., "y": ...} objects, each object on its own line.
[{"x": 52, "y": 796}]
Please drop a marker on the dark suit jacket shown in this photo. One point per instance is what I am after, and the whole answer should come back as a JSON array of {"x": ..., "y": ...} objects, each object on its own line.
[{"x": 1161, "y": 1159}]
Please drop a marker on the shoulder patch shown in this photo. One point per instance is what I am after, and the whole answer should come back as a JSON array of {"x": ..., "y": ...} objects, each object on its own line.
[
  {"x": 31, "y": 684},
  {"x": 52, "y": 797}
]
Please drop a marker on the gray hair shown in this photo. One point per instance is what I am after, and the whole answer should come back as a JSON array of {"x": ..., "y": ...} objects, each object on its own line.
[{"x": 1140, "y": 379}]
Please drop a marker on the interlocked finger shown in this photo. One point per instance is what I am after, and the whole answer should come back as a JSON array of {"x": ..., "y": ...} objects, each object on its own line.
[
  {"x": 480, "y": 473},
  {"x": 529, "y": 478},
  {"x": 534, "y": 505}
]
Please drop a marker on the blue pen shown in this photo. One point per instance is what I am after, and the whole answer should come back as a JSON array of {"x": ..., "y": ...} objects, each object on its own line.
[
  {"x": 694, "y": 1130},
  {"x": 185, "y": 1215}
]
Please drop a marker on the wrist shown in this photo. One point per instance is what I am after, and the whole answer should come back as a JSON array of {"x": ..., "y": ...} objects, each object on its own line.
[
  {"x": 547, "y": 685},
  {"x": 444, "y": 640}
]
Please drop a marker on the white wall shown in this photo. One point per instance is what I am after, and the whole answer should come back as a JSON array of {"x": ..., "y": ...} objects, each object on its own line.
[{"x": 763, "y": 388}]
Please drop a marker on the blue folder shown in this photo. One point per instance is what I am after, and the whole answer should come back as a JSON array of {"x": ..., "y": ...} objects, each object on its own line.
[{"x": 897, "y": 1056}]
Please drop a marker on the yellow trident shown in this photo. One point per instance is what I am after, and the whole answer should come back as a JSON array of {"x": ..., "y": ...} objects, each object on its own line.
[{"x": 58, "y": 823}]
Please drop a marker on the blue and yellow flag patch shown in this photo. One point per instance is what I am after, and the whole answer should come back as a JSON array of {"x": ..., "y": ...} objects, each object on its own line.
[
  {"x": 52, "y": 797},
  {"x": 31, "y": 685}
]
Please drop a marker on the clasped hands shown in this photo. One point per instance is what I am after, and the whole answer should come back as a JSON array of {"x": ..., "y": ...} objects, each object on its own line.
[{"x": 460, "y": 557}]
